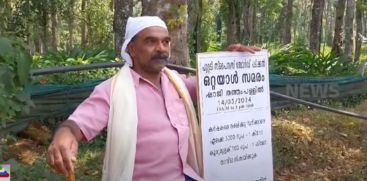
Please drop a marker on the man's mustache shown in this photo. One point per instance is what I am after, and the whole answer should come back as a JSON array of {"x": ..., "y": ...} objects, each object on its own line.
[{"x": 160, "y": 56}]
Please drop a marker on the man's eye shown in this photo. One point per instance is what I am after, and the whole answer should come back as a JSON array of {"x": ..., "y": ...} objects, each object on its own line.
[
  {"x": 150, "y": 41},
  {"x": 166, "y": 42}
]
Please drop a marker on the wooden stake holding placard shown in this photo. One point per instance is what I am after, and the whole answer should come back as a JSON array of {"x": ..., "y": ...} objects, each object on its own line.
[{"x": 235, "y": 116}]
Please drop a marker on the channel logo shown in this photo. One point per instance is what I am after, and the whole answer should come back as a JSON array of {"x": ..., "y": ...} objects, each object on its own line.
[{"x": 4, "y": 172}]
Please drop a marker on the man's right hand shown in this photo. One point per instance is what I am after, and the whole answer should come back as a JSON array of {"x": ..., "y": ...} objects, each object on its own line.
[{"x": 63, "y": 149}]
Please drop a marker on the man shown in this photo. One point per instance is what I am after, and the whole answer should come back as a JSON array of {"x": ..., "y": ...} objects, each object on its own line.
[{"x": 146, "y": 110}]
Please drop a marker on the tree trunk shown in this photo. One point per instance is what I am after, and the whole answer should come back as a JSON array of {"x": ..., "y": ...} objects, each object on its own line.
[
  {"x": 247, "y": 21},
  {"x": 195, "y": 8},
  {"x": 238, "y": 13},
  {"x": 253, "y": 22},
  {"x": 306, "y": 13},
  {"x": 357, "y": 54},
  {"x": 174, "y": 13},
  {"x": 338, "y": 30},
  {"x": 83, "y": 27},
  {"x": 263, "y": 34},
  {"x": 37, "y": 45},
  {"x": 316, "y": 25},
  {"x": 218, "y": 27},
  {"x": 287, "y": 37},
  {"x": 70, "y": 23},
  {"x": 364, "y": 23},
  {"x": 231, "y": 22},
  {"x": 329, "y": 19},
  {"x": 44, "y": 26},
  {"x": 53, "y": 26},
  {"x": 348, "y": 26},
  {"x": 123, "y": 9},
  {"x": 280, "y": 25}
]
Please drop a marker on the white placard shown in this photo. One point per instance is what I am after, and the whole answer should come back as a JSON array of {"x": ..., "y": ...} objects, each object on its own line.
[{"x": 235, "y": 116}]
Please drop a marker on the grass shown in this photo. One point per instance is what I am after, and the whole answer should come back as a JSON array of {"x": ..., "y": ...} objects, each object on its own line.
[
  {"x": 317, "y": 145},
  {"x": 307, "y": 145},
  {"x": 90, "y": 159}
]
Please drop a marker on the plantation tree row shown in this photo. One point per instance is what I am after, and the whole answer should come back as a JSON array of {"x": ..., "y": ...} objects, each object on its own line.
[{"x": 195, "y": 25}]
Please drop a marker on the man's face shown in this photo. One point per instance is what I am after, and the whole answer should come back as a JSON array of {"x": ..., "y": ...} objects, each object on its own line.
[{"x": 150, "y": 50}]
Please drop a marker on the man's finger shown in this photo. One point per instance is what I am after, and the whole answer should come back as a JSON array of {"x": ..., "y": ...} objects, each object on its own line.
[
  {"x": 241, "y": 48},
  {"x": 245, "y": 49},
  {"x": 59, "y": 163},
  {"x": 50, "y": 158},
  {"x": 74, "y": 152},
  {"x": 256, "y": 48},
  {"x": 232, "y": 47},
  {"x": 66, "y": 155},
  {"x": 74, "y": 148}
]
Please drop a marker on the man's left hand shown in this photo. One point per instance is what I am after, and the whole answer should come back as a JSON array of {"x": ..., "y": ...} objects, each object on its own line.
[{"x": 241, "y": 48}]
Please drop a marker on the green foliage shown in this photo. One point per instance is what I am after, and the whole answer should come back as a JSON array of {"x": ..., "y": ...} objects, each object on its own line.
[
  {"x": 270, "y": 14},
  {"x": 274, "y": 48},
  {"x": 77, "y": 56},
  {"x": 38, "y": 171},
  {"x": 362, "y": 5},
  {"x": 177, "y": 16},
  {"x": 363, "y": 57},
  {"x": 5, "y": 13},
  {"x": 19, "y": 20},
  {"x": 15, "y": 64},
  {"x": 299, "y": 60},
  {"x": 99, "y": 21},
  {"x": 207, "y": 38}
]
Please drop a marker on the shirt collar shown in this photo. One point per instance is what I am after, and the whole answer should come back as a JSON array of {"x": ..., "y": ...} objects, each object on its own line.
[{"x": 136, "y": 78}]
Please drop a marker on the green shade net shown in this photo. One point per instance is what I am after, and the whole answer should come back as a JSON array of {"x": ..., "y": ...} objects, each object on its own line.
[{"x": 61, "y": 100}]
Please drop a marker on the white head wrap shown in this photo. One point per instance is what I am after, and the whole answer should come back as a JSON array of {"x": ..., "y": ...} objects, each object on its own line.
[{"x": 133, "y": 26}]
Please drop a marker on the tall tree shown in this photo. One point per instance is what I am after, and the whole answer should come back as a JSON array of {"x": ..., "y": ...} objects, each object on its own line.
[
  {"x": 287, "y": 37},
  {"x": 338, "y": 28},
  {"x": 247, "y": 21},
  {"x": 70, "y": 18},
  {"x": 195, "y": 9},
  {"x": 54, "y": 24},
  {"x": 84, "y": 27},
  {"x": 364, "y": 23},
  {"x": 43, "y": 20},
  {"x": 239, "y": 26},
  {"x": 316, "y": 25},
  {"x": 348, "y": 26},
  {"x": 329, "y": 23},
  {"x": 301, "y": 19},
  {"x": 175, "y": 15},
  {"x": 358, "y": 41},
  {"x": 231, "y": 22},
  {"x": 253, "y": 9},
  {"x": 218, "y": 27},
  {"x": 123, "y": 9},
  {"x": 280, "y": 25}
]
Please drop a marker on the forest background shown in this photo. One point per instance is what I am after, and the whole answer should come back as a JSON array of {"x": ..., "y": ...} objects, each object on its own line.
[{"x": 195, "y": 25}]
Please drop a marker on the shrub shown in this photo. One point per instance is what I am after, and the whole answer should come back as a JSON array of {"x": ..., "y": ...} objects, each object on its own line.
[
  {"x": 77, "y": 56},
  {"x": 15, "y": 62},
  {"x": 300, "y": 61}
]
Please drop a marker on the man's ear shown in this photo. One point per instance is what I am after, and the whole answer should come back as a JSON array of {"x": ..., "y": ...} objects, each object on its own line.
[{"x": 131, "y": 49}]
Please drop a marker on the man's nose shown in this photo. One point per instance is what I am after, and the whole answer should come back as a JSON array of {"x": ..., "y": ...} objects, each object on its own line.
[{"x": 161, "y": 47}]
